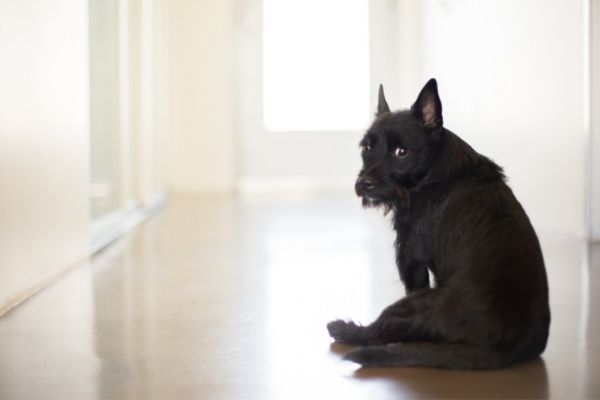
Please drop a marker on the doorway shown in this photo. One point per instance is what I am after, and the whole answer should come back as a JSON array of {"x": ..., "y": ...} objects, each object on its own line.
[{"x": 307, "y": 89}]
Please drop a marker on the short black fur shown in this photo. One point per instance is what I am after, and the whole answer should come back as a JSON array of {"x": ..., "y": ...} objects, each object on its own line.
[{"x": 455, "y": 216}]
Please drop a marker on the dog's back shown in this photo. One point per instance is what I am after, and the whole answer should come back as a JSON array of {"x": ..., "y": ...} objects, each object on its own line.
[{"x": 485, "y": 257}]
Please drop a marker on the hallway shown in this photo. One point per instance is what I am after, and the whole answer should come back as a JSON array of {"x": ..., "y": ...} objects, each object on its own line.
[{"x": 227, "y": 298}]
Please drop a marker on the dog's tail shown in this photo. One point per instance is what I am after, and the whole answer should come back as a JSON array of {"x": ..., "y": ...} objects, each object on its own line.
[{"x": 435, "y": 355}]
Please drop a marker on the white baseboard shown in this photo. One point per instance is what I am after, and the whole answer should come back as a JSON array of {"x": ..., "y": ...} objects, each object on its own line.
[
  {"x": 110, "y": 228},
  {"x": 21, "y": 297},
  {"x": 102, "y": 232}
]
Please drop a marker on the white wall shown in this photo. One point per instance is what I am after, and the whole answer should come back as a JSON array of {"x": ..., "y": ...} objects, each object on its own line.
[
  {"x": 43, "y": 137},
  {"x": 511, "y": 78},
  {"x": 197, "y": 81}
]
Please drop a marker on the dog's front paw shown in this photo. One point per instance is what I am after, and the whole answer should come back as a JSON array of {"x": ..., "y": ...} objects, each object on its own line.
[{"x": 346, "y": 332}]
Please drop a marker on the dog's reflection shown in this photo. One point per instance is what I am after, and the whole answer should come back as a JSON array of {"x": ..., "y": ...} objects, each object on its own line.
[{"x": 524, "y": 381}]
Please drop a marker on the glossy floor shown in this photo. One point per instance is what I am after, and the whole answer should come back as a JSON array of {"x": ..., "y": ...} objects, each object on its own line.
[{"x": 223, "y": 298}]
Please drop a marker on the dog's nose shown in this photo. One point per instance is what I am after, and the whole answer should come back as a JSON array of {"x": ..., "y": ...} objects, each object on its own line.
[
  {"x": 364, "y": 185},
  {"x": 368, "y": 184}
]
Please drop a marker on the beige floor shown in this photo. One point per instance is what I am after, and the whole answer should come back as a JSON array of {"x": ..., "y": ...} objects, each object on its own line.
[{"x": 217, "y": 298}]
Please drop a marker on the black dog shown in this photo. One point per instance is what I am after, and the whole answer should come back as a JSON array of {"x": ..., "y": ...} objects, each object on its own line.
[{"x": 455, "y": 216}]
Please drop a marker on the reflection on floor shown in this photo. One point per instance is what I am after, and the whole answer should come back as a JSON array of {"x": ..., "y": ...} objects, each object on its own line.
[{"x": 223, "y": 298}]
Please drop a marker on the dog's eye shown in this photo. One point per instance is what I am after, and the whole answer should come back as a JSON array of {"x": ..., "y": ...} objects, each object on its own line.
[
  {"x": 366, "y": 147},
  {"x": 400, "y": 152}
]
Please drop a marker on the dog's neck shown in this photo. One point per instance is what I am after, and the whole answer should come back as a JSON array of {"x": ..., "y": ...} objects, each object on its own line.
[{"x": 453, "y": 159}]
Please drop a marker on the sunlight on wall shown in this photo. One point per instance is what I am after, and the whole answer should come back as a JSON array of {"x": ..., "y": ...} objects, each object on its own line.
[{"x": 315, "y": 77}]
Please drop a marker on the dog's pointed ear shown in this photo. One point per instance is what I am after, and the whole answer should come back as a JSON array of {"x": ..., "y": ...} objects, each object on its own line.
[
  {"x": 382, "y": 105},
  {"x": 428, "y": 107}
]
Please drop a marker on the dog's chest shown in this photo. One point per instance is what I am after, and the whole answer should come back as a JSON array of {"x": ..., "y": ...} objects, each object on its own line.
[{"x": 416, "y": 227}]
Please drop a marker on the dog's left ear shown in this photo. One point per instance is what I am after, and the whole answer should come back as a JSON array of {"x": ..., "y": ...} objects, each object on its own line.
[
  {"x": 382, "y": 105},
  {"x": 428, "y": 107}
]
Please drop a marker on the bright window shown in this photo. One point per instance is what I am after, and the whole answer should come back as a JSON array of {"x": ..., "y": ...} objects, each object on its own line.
[{"x": 315, "y": 65}]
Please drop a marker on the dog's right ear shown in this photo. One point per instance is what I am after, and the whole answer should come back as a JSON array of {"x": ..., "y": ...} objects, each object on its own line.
[
  {"x": 382, "y": 105},
  {"x": 428, "y": 107}
]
